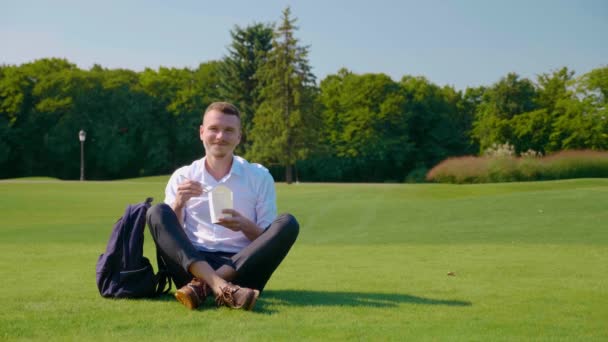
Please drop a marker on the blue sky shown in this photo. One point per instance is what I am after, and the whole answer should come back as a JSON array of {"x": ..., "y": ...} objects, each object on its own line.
[{"x": 459, "y": 43}]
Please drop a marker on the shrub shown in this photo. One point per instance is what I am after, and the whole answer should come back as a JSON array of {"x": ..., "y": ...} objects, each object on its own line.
[
  {"x": 575, "y": 164},
  {"x": 530, "y": 169},
  {"x": 466, "y": 169},
  {"x": 500, "y": 150},
  {"x": 504, "y": 167}
]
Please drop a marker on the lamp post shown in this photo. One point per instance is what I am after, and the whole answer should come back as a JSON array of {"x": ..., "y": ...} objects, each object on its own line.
[{"x": 82, "y": 135}]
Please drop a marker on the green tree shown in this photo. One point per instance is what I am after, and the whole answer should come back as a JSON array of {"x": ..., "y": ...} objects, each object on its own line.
[
  {"x": 434, "y": 123},
  {"x": 583, "y": 119},
  {"x": 505, "y": 99},
  {"x": 15, "y": 98},
  {"x": 467, "y": 110},
  {"x": 364, "y": 129},
  {"x": 531, "y": 130},
  {"x": 553, "y": 88},
  {"x": 237, "y": 81},
  {"x": 595, "y": 84},
  {"x": 40, "y": 100},
  {"x": 284, "y": 127},
  {"x": 181, "y": 95}
]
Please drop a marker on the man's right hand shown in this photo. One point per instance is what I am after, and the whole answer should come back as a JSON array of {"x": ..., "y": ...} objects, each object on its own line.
[{"x": 185, "y": 191}]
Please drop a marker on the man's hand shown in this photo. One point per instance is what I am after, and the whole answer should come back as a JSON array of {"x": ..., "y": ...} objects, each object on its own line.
[
  {"x": 240, "y": 223},
  {"x": 186, "y": 191}
]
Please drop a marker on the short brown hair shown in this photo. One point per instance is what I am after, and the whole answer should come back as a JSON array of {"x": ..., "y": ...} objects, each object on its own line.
[{"x": 223, "y": 107}]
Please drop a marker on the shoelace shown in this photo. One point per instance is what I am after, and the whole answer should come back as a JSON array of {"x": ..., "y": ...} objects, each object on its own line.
[
  {"x": 203, "y": 288},
  {"x": 199, "y": 289},
  {"x": 199, "y": 292},
  {"x": 226, "y": 297}
]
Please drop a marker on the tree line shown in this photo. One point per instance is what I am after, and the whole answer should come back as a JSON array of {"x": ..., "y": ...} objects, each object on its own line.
[{"x": 347, "y": 127}]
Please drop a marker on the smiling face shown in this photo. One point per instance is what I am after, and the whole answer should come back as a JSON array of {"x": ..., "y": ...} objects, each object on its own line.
[{"x": 220, "y": 133}]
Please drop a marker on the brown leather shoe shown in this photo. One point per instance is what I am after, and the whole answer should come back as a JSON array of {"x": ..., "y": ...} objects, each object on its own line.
[
  {"x": 236, "y": 297},
  {"x": 193, "y": 294}
]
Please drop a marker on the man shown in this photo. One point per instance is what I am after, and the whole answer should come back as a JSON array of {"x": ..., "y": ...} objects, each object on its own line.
[{"x": 234, "y": 258}]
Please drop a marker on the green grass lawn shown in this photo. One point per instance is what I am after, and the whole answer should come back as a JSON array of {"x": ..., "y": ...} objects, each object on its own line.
[{"x": 371, "y": 263}]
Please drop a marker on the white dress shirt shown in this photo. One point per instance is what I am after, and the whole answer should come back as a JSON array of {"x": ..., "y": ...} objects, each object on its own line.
[{"x": 253, "y": 196}]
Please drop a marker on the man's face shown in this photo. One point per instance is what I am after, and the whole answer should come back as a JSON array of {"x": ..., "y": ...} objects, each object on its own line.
[{"x": 220, "y": 133}]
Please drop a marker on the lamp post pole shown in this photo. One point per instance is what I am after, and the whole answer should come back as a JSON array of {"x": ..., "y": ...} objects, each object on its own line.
[{"x": 82, "y": 135}]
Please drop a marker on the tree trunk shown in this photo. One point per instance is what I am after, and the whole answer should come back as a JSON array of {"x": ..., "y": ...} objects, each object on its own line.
[{"x": 289, "y": 174}]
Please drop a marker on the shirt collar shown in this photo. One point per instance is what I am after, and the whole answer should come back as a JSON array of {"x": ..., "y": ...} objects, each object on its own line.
[{"x": 235, "y": 169}]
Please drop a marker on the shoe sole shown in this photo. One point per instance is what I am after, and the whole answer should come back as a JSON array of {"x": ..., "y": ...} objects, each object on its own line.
[
  {"x": 184, "y": 299},
  {"x": 251, "y": 304}
]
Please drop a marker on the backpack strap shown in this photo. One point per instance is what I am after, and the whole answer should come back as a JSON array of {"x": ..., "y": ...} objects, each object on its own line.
[{"x": 164, "y": 280}]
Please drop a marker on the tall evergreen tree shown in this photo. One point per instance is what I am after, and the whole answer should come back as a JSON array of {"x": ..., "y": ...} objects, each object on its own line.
[
  {"x": 284, "y": 125},
  {"x": 238, "y": 85}
]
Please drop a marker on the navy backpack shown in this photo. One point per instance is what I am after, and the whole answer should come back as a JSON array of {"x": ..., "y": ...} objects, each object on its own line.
[{"x": 123, "y": 271}]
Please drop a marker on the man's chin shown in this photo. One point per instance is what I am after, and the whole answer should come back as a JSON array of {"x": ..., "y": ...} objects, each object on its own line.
[{"x": 219, "y": 154}]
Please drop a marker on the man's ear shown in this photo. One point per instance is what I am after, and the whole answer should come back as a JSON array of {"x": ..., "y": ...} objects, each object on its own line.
[{"x": 201, "y": 129}]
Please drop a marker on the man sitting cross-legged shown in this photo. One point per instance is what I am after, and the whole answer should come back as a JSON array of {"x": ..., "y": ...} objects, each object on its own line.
[{"x": 234, "y": 258}]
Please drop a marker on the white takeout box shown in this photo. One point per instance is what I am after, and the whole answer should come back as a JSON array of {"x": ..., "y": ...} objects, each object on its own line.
[{"x": 220, "y": 198}]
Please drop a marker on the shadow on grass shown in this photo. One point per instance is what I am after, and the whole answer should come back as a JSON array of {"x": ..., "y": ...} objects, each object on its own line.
[
  {"x": 355, "y": 299},
  {"x": 302, "y": 298}
]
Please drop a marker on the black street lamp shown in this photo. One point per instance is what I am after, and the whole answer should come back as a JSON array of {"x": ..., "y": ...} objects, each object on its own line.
[{"x": 82, "y": 135}]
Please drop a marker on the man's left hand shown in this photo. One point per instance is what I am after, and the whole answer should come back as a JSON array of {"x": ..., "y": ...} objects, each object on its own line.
[
  {"x": 240, "y": 223},
  {"x": 236, "y": 223}
]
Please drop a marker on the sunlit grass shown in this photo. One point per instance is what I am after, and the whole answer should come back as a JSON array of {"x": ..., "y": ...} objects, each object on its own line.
[{"x": 529, "y": 261}]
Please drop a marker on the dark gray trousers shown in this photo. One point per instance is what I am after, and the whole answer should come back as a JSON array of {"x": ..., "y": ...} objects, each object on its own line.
[{"x": 254, "y": 264}]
